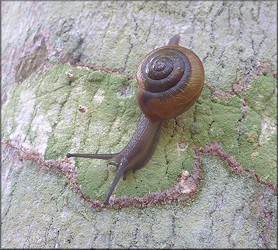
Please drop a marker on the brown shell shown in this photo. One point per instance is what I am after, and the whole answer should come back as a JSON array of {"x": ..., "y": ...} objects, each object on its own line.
[{"x": 156, "y": 100}]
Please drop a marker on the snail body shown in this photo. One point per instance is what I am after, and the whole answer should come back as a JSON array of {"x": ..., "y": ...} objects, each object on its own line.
[{"x": 170, "y": 81}]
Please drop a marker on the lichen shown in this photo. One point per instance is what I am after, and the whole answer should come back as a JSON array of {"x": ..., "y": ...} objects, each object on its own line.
[
  {"x": 262, "y": 96},
  {"x": 109, "y": 117}
]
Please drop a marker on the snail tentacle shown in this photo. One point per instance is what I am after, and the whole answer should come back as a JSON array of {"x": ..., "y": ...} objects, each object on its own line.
[
  {"x": 175, "y": 40},
  {"x": 122, "y": 167},
  {"x": 135, "y": 154},
  {"x": 94, "y": 156}
]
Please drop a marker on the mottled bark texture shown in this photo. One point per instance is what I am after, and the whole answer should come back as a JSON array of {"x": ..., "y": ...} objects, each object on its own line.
[{"x": 212, "y": 181}]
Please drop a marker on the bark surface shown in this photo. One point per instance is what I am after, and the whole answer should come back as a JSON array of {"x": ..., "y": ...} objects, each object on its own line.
[{"x": 68, "y": 84}]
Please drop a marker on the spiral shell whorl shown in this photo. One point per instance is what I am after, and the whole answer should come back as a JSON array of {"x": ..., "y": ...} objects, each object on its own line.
[
  {"x": 163, "y": 69},
  {"x": 170, "y": 80}
]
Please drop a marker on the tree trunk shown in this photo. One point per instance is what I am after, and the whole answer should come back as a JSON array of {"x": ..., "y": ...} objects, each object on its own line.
[{"x": 68, "y": 84}]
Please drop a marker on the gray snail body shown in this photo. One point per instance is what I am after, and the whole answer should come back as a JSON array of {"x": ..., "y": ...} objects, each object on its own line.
[{"x": 170, "y": 81}]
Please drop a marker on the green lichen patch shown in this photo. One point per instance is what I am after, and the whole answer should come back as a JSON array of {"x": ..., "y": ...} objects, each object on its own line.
[
  {"x": 246, "y": 132},
  {"x": 262, "y": 96},
  {"x": 79, "y": 110},
  {"x": 258, "y": 143},
  {"x": 110, "y": 129}
]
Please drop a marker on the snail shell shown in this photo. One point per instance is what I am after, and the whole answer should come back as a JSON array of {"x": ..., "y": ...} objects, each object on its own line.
[{"x": 170, "y": 80}]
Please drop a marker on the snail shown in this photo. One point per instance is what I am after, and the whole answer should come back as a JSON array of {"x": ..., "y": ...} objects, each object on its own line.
[{"x": 170, "y": 81}]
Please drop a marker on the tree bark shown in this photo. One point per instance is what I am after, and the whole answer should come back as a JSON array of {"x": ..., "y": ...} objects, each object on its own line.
[{"x": 68, "y": 83}]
